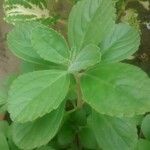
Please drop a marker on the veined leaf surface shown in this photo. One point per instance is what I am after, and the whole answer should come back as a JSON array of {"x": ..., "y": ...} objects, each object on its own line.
[
  {"x": 114, "y": 133},
  {"x": 120, "y": 44},
  {"x": 50, "y": 45},
  {"x": 26, "y": 10},
  {"x": 90, "y": 21},
  {"x": 35, "y": 94},
  {"x": 19, "y": 42},
  {"x": 117, "y": 89},
  {"x": 87, "y": 57},
  {"x": 39, "y": 132}
]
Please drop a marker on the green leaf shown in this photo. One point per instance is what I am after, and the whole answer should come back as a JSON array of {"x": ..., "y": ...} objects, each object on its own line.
[
  {"x": 143, "y": 145},
  {"x": 89, "y": 56},
  {"x": 3, "y": 110},
  {"x": 26, "y": 67},
  {"x": 117, "y": 89},
  {"x": 26, "y": 10},
  {"x": 4, "y": 127},
  {"x": 146, "y": 127},
  {"x": 3, "y": 96},
  {"x": 11, "y": 143},
  {"x": 12, "y": 146},
  {"x": 87, "y": 138},
  {"x": 90, "y": 21},
  {"x": 37, "y": 94},
  {"x": 4, "y": 86},
  {"x": 72, "y": 94},
  {"x": 79, "y": 117},
  {"x": 120, "y": 44},
  {"x": 66, "y": 135},
  {"x": 35, "y": 134},
  {"x": 50, "y": 45},
  {"x": 19, "y": 42},
  {"x": 45, "y": 148},
  {"x": 3, "y": 142},
  {"x": 114, "y": 133},
  {"x": 3, "y": 91}
]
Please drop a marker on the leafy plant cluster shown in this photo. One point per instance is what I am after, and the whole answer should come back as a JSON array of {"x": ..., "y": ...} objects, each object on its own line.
[{"x": 74, "y": 93}]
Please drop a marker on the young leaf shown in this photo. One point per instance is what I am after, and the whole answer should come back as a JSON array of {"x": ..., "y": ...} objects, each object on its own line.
[
  {"x": 114, "y": 133},
  {"x": 66, "y": 135},
  {"x": 90, "y": 21},
  {"x": 89, "y": 56},
  {"x": 19, "y": 42},
  {"x": 3, "y": 142},
  {"x": 35, "y": 134},
  {"x": 146, "y": 127},
  {"x": 26, "y": 10},
  {"x": 117, "y": 89},
  {"x": 50, "y": 45},
  {"x": 35, "y": 94},
  {"x": 120, "y": 44},
  {"x": 79, "y": 117}
]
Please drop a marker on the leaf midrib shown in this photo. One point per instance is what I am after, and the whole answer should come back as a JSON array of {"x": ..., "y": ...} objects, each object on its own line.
[
  {"x": 30, "y": 102},
  {"x": 115, "y": 87}
]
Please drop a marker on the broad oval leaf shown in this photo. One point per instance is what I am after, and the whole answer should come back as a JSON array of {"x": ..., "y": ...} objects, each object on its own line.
[
  {"x": 19, "y": 42},
  {"x": 117, "y": 89},
  {"x": 35, "y": 94},
  {"x": 26, "y": 10},
  {"x": 87, "y": 57},
  {"x": 114, "y": 133},
  {"x": 50, "y": 45},
  {"x": 120, "y": 44},
  {"x": 39, "y": 132},
  {"x": 145, "y": 127},
  {"x": 90, "y": 21}
]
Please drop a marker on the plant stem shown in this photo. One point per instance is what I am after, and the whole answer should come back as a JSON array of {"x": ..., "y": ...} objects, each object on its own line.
[
  {"x": 71, "y": 111},
  {"x": 78, "y": 143},
  {"x": 79, "y": 93}
]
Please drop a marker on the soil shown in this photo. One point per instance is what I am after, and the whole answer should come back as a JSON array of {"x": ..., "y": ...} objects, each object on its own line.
[
  {"x": 142, "y": 58},
  {"x": 8, "y": 62}
]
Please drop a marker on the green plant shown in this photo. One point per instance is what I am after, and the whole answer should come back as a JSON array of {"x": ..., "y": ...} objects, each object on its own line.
[
  {"x": 27, "y": 10},
  {"x": 84, "y": 97}
]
